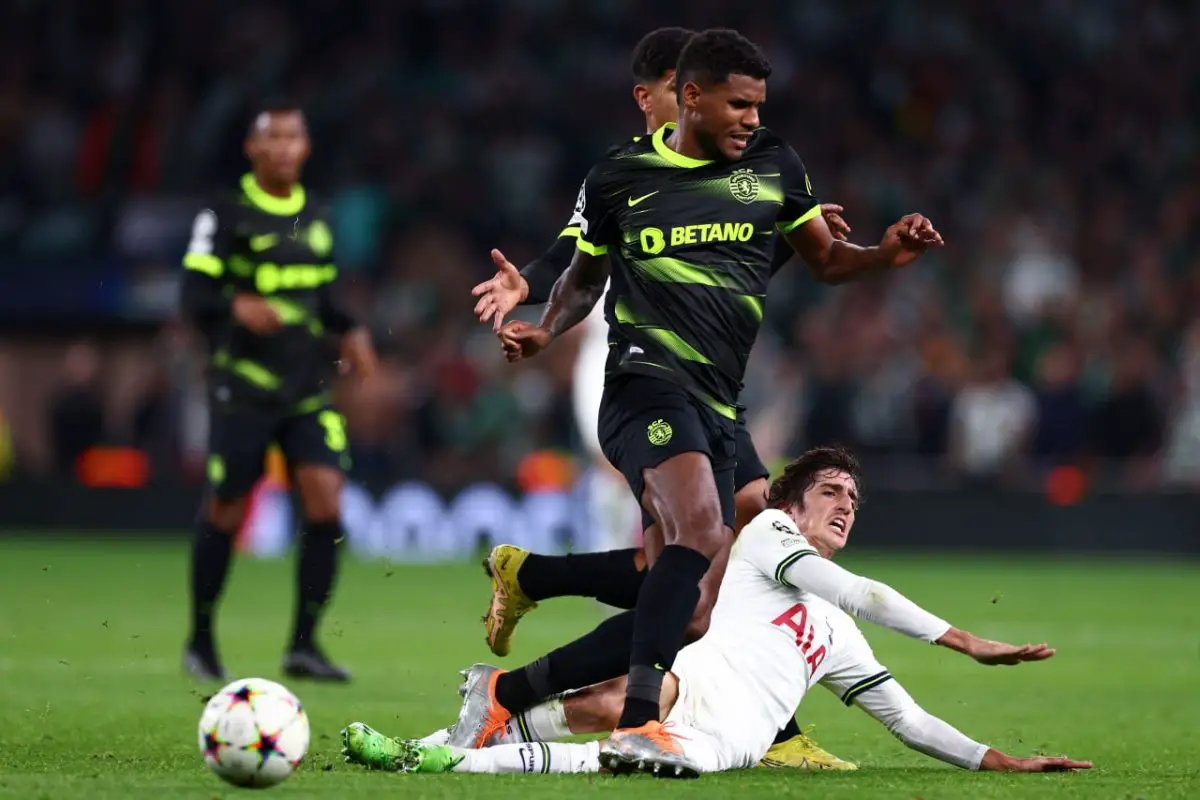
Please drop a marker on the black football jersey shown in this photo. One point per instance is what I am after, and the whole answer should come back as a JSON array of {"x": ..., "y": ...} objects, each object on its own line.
[
  {"x": 283, "y": 250},
  {"x": 693, "y": 245}
]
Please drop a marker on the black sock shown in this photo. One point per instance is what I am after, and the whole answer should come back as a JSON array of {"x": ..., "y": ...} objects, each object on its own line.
[
  {"x": 664, "y": 608},
  {"x": 792, "y": 729},
  {"x": 315, "y": 574},
  {"x": 611, "y": 577},
  {"x": 593, "y": 658},
  {"x": 211, "y": 552}
]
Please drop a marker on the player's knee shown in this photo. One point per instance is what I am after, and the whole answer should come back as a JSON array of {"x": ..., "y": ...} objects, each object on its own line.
[
  {"x": 321, "y": 506},
  {"x": 320, "y": 493},
  {"x": 698, "y": 526},
  {"x": 226, "y": 515},
  {"x": 705, "y": 534}
]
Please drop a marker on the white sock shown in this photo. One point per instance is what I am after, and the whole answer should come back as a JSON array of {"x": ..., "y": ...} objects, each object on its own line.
[
  {"x": 440, "y": 736},
  {"x": 545, "y": 722},
  {"x": 532, "y": 757}
]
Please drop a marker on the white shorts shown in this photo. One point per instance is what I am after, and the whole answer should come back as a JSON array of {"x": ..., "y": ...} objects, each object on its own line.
[{"x": 714, "y": 719}]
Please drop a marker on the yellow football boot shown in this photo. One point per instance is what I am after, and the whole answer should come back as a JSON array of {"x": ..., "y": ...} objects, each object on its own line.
[
  {"x": 801, "y": 752},
  {"x": 509, "y": 603}
]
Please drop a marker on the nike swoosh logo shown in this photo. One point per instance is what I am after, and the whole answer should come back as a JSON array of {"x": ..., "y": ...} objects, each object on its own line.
[
  {"x": 260, "y": 243},
  {"x": 632, "y": 202}
]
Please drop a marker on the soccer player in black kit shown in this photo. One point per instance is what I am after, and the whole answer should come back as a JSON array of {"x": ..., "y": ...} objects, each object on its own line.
[
  {"x": 521, "y": 579},
  {"x": 258, "y": 281},
  {"x": 687, "y": 218}
]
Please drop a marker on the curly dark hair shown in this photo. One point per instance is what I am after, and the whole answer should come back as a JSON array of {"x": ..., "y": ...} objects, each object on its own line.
[
  {"x": 711, "y": 56},
  {"x": 800, "y": 475},
  {"x": 658, "y": 52}
]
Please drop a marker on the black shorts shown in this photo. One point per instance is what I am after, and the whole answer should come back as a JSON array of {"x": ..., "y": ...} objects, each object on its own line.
[
  {"x": 645, "y": 421},
  {"x": 238, "y": 441},
  {"x": 749, "y": 466}
]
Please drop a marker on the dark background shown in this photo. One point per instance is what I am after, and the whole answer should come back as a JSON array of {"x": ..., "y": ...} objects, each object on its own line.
[{"x": 1037, "y": 381}]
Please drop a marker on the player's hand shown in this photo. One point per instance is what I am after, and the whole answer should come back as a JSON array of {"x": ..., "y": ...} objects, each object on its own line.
[
  {"x": 992, "y": 654},
  {"x": 501, "y": 293},
  {"x": 833, "y": 218},
  {"x": 255, "y": 313},
  {"x": 995, "y": 761},
  {"x": 523, "y": 340},
  {"x": 358, "y": 354},
  {"x": 908, "y": 239}
]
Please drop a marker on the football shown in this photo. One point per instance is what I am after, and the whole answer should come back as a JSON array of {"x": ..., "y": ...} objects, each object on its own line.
[{"x": 253, "y": 733}]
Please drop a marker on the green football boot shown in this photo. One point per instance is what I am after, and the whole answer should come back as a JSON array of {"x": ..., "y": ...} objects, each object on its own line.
[{"x": 362, "y": 744}]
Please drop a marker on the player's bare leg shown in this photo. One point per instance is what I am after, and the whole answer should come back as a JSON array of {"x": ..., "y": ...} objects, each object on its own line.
[
  {"x": 682, "y": 498},
  {"x": 320, "y": 492},
  {"x": 364, "y": 745},
  {"x": 520, "y": 579},
  {"x": 212, "y": 552}
]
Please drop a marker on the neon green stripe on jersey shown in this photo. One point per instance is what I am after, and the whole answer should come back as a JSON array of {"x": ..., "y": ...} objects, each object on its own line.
[
  {"x": 279, "y": 206},
  {"x": 755, "y": 306},
  {"x": 666, "y": 269},
  {"x": 572, "y": 231},
  {"x": 724, "y": 409},
  {"x": 670, "y": 156},
  {"x": 204, "y": 262},
  {"x": 250, "y": 371},
  {"x": 812, "y": 213},
  {"x": 676, "y": 344},
  {"x": 589, "y": 248},
  {"x": 668, "y": 339}
]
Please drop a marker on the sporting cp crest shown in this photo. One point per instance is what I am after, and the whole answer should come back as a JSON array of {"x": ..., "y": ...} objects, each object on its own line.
[
  {"x": 659, "y": 432},
  {"x": 743, "y": 185}
]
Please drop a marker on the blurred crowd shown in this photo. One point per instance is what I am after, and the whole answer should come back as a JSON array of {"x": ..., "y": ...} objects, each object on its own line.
[{"x": 1055, "y": 146}]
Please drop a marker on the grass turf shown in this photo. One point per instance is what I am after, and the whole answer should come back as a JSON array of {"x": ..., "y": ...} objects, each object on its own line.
[{"x": 93, "y": 703}]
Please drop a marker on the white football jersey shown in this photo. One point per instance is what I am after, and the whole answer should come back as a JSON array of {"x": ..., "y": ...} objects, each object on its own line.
[{"x": 780, "y": 640}]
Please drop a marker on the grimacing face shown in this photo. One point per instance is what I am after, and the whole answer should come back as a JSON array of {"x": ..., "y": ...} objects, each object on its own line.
[
  {"x": 829, "y": 510},
  {"x": 725, "y": 115}
]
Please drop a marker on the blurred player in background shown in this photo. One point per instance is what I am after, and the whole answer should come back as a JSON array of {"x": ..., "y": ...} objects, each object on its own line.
[
  {"x": 686, "y": 218},
  {"x": 614, "y": 576},
  {"x": 258, "y": 281},
  {"x": 781, "y": 627}
]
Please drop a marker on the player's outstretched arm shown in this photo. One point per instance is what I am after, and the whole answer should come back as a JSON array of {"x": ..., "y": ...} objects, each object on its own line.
[
  {"x": 879, "y": 603},
  {"x": 833, "y": 260},
  {"x": 889, "y": 703},
  {"x": 572, "y": 299}
]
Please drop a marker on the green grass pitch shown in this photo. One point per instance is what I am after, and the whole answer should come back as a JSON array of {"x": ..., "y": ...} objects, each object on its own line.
[{"x": 93, "y": 704}]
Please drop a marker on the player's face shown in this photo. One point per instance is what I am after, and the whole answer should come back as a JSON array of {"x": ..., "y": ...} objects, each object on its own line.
[
  {"x": 829, "y": 508},
  {"x": 279, "y": 145},
  {"x": 726, "y": 114}
]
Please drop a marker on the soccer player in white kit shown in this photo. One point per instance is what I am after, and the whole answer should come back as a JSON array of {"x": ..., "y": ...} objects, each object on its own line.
[
  {"x": 613, "y": 569},
  {"x": 780, "y": 627}
]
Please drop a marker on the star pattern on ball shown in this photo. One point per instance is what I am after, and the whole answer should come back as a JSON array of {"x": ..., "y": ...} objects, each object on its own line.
[
  {"x": 266, "y": 746},
  {"x": 243, "y": 694},
  {"x": 212, "y": 744}
]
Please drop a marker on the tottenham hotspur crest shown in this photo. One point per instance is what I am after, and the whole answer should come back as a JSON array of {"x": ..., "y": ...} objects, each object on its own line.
[{"x": 743, "y": 185}]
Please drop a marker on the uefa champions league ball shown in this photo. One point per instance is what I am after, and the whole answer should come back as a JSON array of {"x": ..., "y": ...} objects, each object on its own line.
[{"x": 253, "y": 733}]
